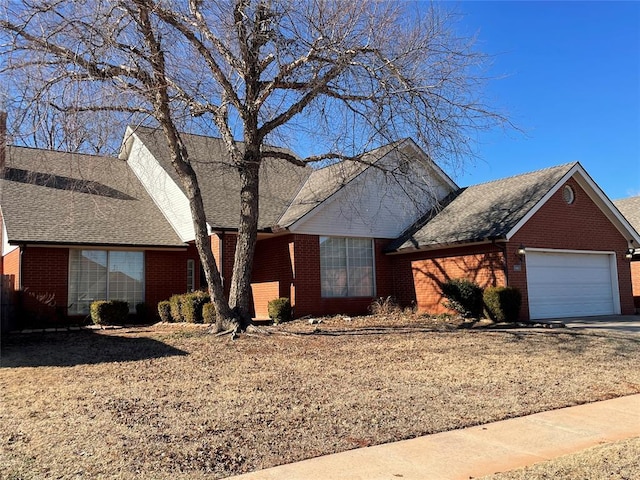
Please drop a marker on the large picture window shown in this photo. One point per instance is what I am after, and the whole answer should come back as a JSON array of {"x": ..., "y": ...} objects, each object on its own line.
[
  {"x": 346, "y": 267},
  {"x": 104, "y": 275}
]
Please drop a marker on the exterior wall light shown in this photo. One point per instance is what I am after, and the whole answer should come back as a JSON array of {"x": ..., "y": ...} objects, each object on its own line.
[
  {"x": 522, "y": 250},
  {"x": 629, "y": 253}
]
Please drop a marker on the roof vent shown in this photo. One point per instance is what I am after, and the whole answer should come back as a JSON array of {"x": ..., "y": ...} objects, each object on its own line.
[{"x": 568, "y": 194}]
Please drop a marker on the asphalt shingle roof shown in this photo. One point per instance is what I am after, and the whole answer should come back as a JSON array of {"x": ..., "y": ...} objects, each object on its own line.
[
  {"x": 630, "y": 208},
  {"x": 219, "y": 181},
  {"x": 480, "y": 212},
  {"x": 69, "y": 198}
]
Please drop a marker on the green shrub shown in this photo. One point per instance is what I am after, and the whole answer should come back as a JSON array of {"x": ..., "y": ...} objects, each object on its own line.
[
  {"x": 164, "y": 310},
  {"x": 209, "y": 313},
  {"x": 109, "y": 312},
  {"x": 175, "y": 305},
  {"x": 503, "y": 303},
  {"x": 463, "y": 296},
  {"x": 279, "y": 310},
  {"x": 191, "y": 306}
]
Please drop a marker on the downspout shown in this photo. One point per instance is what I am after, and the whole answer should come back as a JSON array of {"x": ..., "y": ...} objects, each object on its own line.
[
  {"x": 21, "y": 261},
  {"x": 505, "y": 257},
  {"x": 220, "y": 255}
]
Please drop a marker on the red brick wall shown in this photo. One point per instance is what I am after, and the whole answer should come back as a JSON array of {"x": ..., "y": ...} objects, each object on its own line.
[
  {"x": 273, "y": 274},
  {"x": 417, "y": 276},
  {"x": 290, "y": 265},
  {"x": 309, "y": 300},
  {"x": 166, "y": 274},
  {"x": 635, "y": 280},
  {"x": 11, "y": 265},
  {"x": 45, "y": 273},
  {"x": 579, "y": 226}
]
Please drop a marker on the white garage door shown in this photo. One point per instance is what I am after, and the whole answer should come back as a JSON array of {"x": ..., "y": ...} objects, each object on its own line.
[{"x": 564, "y": 284}]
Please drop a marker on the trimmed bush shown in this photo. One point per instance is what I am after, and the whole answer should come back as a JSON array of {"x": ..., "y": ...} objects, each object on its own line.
[
  {"x": 191, "y": 306},
  {"x": 463, "y": 296},
  {"x": 111, "y": 312},
  {"x": 279, "y": 310},
  {"x": 503, "y": 303},
  {"x": 209, "y": 313},
  {"x": 176, "y": 311},
  {"x": 164, "y": 310}
]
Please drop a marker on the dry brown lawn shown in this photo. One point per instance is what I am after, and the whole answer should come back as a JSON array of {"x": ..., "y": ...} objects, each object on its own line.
[
  {"x": 171, "y": 401},
  {"x": 616, "y": 461}
]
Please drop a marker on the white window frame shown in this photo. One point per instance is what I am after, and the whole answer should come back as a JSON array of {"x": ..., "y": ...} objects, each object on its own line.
[
  {"x": 73, "y": 302},
  {"x": 191, "y": 275},
  {"x": 325, "y": 294}
]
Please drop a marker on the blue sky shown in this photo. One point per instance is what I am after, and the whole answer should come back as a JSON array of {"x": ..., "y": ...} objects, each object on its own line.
[{"x": 568, "y": 75}]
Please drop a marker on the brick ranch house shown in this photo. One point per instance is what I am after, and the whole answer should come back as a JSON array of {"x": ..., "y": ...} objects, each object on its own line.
[{"x": 76, "y": 228}]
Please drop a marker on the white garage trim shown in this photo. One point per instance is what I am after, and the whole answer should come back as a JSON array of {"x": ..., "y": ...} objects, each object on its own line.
[{"x": 571, "y": 283}]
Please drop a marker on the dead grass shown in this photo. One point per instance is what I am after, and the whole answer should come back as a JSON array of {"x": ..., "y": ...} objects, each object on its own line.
[
  {"x": 173, "y": 402},
  {"x": 619, "y": 461}
]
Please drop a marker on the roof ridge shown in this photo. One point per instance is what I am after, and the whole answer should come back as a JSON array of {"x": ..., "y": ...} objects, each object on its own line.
[
  {"x": 517, "y": 175},
  {"x": 211, "y": 137},
  {"x": 61, "y": 152}
]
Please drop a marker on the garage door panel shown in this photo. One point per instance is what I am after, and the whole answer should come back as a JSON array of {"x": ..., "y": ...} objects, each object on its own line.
[{"x": 569, "y": 284}]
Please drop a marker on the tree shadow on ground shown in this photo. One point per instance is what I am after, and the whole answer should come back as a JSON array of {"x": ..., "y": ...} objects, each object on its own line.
[{"x": 79, "y": 348}]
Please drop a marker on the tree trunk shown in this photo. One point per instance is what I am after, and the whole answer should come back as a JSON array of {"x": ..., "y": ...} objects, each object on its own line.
[
  {"x": 240, "y": 294},
  {"x": 225, "y": 317}
]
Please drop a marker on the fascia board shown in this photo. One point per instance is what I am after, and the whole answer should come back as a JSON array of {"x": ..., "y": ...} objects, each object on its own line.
[
  {"x": 607, "y": 206},
  {"x": 410, "y": 143}
]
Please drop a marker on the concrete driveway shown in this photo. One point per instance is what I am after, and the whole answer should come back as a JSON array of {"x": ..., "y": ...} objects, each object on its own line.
[{"x": 614, "y": 323}]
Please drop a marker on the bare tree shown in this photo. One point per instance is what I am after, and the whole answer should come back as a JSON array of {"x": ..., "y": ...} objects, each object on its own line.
[{"x": 343, "y": 75}]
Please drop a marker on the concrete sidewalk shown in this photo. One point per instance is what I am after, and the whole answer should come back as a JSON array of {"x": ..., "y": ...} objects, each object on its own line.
[{"x": 476, "y": 451}]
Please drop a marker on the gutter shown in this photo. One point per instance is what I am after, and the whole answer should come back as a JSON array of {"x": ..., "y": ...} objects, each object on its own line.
[
  {"x": 108, "y": 246},
  {"x": 442, "y": 246}
]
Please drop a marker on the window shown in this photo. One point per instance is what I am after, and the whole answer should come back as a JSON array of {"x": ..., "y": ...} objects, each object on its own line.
[
  {"x": 346, "y": 267},
  {"x": 104, "y": 275},
  {"x": 191, "y": 275}
]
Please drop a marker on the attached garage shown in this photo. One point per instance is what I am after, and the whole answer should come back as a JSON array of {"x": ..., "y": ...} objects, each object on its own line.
[{"x": 564, "y": 284}]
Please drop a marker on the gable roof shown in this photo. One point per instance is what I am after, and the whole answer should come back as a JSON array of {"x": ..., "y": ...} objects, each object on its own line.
[
  {"x": 325, "y": 182},
  {"x": 497, "y": 210},
  {"x": 219, "y": 181},
  {"x": 482, "y": 212},
  {"x": 287, "y": 192},
  {"x": 49, "y": 197}
]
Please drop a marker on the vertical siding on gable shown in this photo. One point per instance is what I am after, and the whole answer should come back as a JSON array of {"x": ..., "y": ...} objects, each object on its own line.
[
  {"x": 6, "y": 248},
  {"x": 375, "y": 205},
  {"x": 165, "y": 193}
]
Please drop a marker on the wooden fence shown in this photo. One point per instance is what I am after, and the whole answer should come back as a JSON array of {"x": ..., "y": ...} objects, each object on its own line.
[{"x": 7, "y": 302}]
